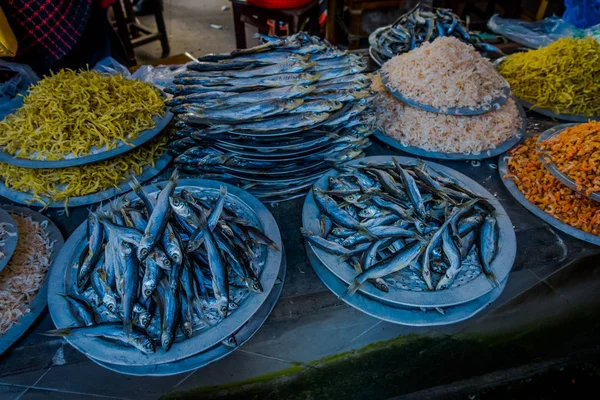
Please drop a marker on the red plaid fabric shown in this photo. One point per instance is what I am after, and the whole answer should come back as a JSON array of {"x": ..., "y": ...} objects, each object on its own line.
[{"x": 46, "y": 29}]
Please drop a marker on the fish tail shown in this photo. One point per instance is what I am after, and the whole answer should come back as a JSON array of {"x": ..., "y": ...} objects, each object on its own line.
[
  {"x": 174, "y": 176},
  {"x": 492, "y": 278},
  {"x": 305, "y": 232},
  {"x": 135, "y": 184},
  {"x": 353, "y": 287},
  {"x": 365, "y": 231},
  {"x": 273, "y": 245},
  {"x": 223, "y": 190},
  {"x": 58, "y": 332}
]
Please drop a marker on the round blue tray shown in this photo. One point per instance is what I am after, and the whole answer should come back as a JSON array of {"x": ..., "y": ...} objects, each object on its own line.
[
  {"x": 216, "y": 353},
  {"x": 398, "y": 315},
  {"x": 143, "y": 137},
  {"x": 502, "y": 148},
  {"x": 107, "y": 352},
  {"x": 551, "y": 166},
  {"x": 10, "y": 241},
  {"x": 462, "y": 293},
  {"x": 148, "y": 173},
  {"x": 544, "y": 111},
  {"x": 41, "y": 299},
  {"x": 494, "y": 104},
  {"x": 554, "y": 222}
]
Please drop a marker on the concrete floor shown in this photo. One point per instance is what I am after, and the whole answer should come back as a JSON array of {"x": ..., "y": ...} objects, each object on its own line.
[{"x": 189, "y": 28}]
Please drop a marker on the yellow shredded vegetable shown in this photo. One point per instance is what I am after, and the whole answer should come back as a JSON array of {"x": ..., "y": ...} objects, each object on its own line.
[
  {"x": 72, "y": 113},
  {"x": 563, "y": 76},
  {"x": 57, "y": 184}
]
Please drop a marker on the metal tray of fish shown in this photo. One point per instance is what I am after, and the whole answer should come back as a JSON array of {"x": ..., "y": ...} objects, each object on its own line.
[
  {"x": 148, "y": 173},
  {"x": 494, "y": 104},
  {"x": 529, "y": 106},
  {"x": 9, "y": 241},
  {"x": 538, "y": 212},
  {"x": 41, "y": 299},
  {"x": 502, "y": 148},
  {"x": 245, "y": 206},
  {"x": 273, "y": 155},
  {"x": 408, "y": 288},
  {"x": 403, "y": 315},
  {"x": 96, "y": 154},
  {"x": 215, "y": 353},
  {"x": 551, "y": 166}
]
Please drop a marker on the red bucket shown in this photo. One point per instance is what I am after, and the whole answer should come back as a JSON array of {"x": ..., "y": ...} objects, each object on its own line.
[{"x": 279, "y": 4}]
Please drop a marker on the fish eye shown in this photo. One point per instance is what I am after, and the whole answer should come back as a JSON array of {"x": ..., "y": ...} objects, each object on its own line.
[
  {"x": 147, "y": 292},
  {"x": 167, "y": 261},
  {"x": 149, "y": 345},
  {"x": 144, "y": 251},
  {"x": 176, "y": 201}
]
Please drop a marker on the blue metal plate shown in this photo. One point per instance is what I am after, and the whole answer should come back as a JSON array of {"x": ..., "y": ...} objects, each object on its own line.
[
  {"x": 502, "y": 148},
  {"x": 551, "y": 166},
  {"x": 398, "y": 315},
  {"x": 554, "y": 222},
  {"x": 245, "y": 206},
  {"x": 148, "y": 173},
  {"x": 143, "y": 137},
  {"x": 468, "y": 287},
  {"x": 494, "y": 104},
  {"x": 39, "y": 302},
  {"x": 211, "y": 355},
  {"x": 11, "y": 236}
]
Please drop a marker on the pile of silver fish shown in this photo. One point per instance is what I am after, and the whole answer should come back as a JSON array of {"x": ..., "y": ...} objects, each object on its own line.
[
  {"x": 383, "y": 218},
  {"x": 271, "y": 119},
  {"x": 418, "y": 26},
  {"x": 159, "y": 269}
]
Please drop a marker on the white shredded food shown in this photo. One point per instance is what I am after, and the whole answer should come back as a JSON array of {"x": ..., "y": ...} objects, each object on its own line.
[
  {"x": 444, "y": 133},
  {"x": 26, "y": 271},
  {"x": 445, "y": 73}
]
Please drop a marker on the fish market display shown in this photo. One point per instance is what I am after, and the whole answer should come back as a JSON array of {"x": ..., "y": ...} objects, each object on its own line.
[
  {"x": 576, "y": 152},
  {"x": 543, "y": 190},
  {"x": 26, "y": 271},
  {"x": 160, "y": 269},
  {"x": 61, "y": 184},
  {"x": 390, "y": 219},
  {"x": 563, "y": 77},
  {"x": 272, "y": 118},
  {"x": 445, "y": 73},
  {"x": 74, "y": 114},
  {"x": 417, "y": 27},
  {"x": 413, "y": 126}
]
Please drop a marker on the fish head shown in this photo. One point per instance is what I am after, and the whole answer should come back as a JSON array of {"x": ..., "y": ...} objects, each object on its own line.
[
  {"x": 144, "y": 344},
  {"x": 143, "y": 249},
  {"x": 223, "y": 306},
  {"x": 420, "y": 226},
  {"x": 161, "y": 259},
  {"x": 352, "y": 198},
  {"x": 188, "y": 329},
  {"x": 367, "y": 212},
  {"x": 147, "y": 288},
  {"x": 144, "y": 319},
  {"x": 254, "y": 285},
  {"x": 212, "y": 159},
  {"x": 178, "y": 205},
  {"x": 166, "y": 340},
  {"x": 110, "y": 302},
  {"x": 230, "y": 342},
  {"x": 290, "y": 104}
]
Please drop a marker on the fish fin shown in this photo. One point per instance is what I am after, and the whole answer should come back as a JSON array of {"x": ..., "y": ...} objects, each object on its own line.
[
  {"x": 353, "y": 287},
  {"x": 127, "y": 327},
  {"x": 273, "y": 245},
  {"x": 58, "y": 332}
]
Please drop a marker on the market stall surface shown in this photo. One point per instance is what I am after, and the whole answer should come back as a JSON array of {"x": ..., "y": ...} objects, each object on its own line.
[{"x": 312, "y": 338}]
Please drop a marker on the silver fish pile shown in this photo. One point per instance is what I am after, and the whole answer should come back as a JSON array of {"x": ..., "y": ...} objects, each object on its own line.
[
  {"x": 158, "y": 269},
  {"x": 383, "y": 218},
  {"x": 271, "y": 119},
  {"x": 419, "y": 26}
]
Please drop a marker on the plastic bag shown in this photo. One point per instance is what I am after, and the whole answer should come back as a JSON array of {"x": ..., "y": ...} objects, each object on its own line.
[
  {"x": 532, "y": 34},
  {"x": 160, "y": 76},
  {"x": 18, "y": 84},
  {"x": 582, "y": 13}
]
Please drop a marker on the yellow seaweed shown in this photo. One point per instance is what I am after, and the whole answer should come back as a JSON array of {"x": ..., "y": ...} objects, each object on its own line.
[
  {"x": 60, "y": 184},
  {"x": 563, "y": 76},
  {"x": 72, "y": 113}
]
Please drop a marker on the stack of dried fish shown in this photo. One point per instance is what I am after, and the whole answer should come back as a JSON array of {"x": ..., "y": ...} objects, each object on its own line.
[
  {"x": 158, "y": 264},
  {"x": 418, "y": 26},
  {"x": 384, "y": 218},
  {"x": 271, "y": 118}
]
